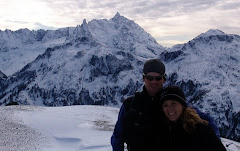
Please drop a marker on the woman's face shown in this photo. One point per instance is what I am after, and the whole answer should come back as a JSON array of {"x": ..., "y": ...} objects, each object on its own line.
[{"x": 172, "y": 109}]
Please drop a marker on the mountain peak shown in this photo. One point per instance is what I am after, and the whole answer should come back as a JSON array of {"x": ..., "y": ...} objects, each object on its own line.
[
  {"x": 84, "y": 21},
  {"x": 117, "y": 15},
  {"x": 211, "y": 32},
  {"x": 84, "y": 25},
  {"x": 215, "y": 32}
]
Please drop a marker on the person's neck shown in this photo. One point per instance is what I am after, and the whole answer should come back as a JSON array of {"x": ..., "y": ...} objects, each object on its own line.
[
  {"x": 152, "y": 95},
  {"x": 148, "y": 93}
]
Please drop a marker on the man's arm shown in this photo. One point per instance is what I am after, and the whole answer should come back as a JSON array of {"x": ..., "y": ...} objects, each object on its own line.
[
  {"x": 117, "y": 137},
  {"x": 210, "y": 120}
]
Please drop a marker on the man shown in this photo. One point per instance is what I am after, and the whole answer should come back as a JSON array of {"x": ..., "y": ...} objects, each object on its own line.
[{"x": 138, "y": 114}]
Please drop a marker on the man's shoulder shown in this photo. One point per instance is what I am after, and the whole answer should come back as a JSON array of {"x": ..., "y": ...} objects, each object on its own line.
[
  {"x": 128, "y": 101},
  {"x": 131, "y": 99}
]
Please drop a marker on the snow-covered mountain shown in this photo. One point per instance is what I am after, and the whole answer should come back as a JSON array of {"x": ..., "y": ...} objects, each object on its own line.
[
  {"x": 100, "y": 62},
  {"x": 207, "y": 68},
  {"x": 18, "y": 48}
]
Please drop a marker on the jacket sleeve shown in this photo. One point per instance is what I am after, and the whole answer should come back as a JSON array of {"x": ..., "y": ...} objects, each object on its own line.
[
  {"x": 210, "y": 120},
  {"x": 117, "y": 136}
]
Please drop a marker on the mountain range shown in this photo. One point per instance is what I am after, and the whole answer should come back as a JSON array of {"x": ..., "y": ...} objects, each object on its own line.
[{"x": 100, "y": 63}]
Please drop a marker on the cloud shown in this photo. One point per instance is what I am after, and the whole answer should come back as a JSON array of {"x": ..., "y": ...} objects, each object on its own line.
[
  {"x": 17, "y": 22},
  {"x": 230, "y": 6}
]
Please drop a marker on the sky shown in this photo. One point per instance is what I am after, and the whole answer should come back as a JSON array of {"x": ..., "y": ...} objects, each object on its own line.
[
  {"x": 170, "y": 22},
  {"x": 69, "y": 128}
]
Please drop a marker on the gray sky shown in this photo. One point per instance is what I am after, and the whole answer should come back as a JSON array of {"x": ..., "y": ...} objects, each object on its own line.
[{"x": 170, "y": 22}]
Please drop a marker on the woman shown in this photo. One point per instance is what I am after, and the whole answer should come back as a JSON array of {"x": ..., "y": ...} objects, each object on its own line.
[{"x": 183, "y": 129}]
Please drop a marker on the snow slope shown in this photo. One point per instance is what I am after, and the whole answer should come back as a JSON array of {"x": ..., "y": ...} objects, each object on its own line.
[
  {"x": 71, "y": 128},
  {"x": 57, "y": 128}
]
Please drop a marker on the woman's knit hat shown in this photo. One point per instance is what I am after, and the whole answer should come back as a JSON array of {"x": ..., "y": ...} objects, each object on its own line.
[{"x": 173, "y": 93}]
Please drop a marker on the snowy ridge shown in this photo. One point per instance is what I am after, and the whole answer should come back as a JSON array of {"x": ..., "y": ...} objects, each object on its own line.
[{"x": 23, "y": 46}]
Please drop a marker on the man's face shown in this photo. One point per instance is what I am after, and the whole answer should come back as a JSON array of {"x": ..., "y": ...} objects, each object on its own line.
[{"x": 153, "y": 83}]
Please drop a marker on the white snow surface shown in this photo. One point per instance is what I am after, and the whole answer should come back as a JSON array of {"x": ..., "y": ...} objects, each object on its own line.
[{"x": 71, "y": 128}]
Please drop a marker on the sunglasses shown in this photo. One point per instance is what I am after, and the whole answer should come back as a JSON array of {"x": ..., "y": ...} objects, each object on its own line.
[{"x": 150, "y": 78}]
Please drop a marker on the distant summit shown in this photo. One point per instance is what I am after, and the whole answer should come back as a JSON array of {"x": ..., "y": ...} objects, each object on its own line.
[
  {"x": 117, "y": 15},
  {"x": 211, "y": 32}
]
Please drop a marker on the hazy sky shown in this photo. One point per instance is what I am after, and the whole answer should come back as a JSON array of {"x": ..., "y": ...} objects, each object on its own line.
[{"x": 168, "y": 21}]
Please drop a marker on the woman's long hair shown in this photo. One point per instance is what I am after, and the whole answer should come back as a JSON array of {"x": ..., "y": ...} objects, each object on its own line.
[{"x": 190, "y": 119}]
